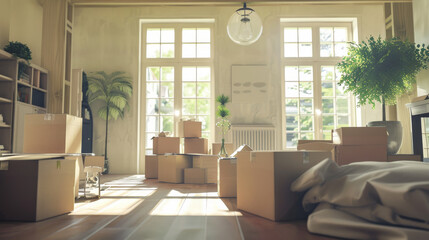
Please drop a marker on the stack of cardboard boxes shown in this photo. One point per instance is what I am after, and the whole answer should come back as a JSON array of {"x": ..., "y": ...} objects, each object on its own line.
[{"x": 193, "y": 166}]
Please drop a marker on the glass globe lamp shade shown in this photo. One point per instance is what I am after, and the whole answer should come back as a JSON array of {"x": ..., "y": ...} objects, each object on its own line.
[{"x": 244, "y": 26}]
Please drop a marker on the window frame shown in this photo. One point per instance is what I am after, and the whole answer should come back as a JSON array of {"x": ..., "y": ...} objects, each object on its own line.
[
  {"x": 316, "y": 61},
  {"x": 178, "y": 62}
]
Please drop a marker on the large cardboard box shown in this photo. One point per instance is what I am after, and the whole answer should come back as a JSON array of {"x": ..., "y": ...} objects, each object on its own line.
[
  {"x": 171, "y": 167},
  {"x": 345, "y": 154},
  {"x": 33, "y": 190},
  {"x": 191, "y": 129},
  {"x": 264, "y": 179},
  {"x": 196, "y": 145},
  {"x": 195, "y": 175},
  {"x": 227, "y": 182},
  {"x": 151, "y": 166},
  {"x": 360, "y": 136},
  {"x": 404, "y": 157},
  {"x": 52, "y": 133},
  {"x": 163, "y": 145},
  {"x": 208, "y": 162},
  {"x": 229, "y": 148}
]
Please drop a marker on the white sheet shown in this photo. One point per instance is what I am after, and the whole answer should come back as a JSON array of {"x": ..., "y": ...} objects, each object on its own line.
[{"x": 385, "y": 197}]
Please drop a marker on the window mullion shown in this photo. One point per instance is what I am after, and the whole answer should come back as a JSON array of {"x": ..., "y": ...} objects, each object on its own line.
[{"x": 317, "y": 101}]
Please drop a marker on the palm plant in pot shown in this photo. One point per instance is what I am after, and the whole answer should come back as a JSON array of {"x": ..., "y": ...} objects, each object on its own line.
[
  {"x": 381, "y": 70},
  {"x": 112, "y": 91}
]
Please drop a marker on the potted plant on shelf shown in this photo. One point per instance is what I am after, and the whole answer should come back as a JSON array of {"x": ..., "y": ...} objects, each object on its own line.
[
  {"x": 113, "y": 92},
  {"x": 381, "y": 70},
  {"x": 224, "y": 124},
  {"x": 19, "y": 50}
]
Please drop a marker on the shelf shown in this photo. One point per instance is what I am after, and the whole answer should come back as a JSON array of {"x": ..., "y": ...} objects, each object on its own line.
[
  {"x": 4, "y": 126},
  {"x": 5, "y": 55},
  {"x": 5, "y": 100},
  {"x": 67, "y": 83},
  {"x": 40, "y": 89},
  {"x": 28, "y": 104},
  {"x": 24, "y": 83},
  {"x": 5, "y": 78}
]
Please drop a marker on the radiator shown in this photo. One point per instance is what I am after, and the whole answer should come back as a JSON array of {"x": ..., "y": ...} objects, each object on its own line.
[{"x": 258, "y": 137}]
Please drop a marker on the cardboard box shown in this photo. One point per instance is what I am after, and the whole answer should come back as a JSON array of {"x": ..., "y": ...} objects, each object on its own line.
[
  {"x": 52, "y": 133},
  {"x": 94, "y": 161},
  {"x": 196, "y": 145},
  {"x": 227, "y": 183},
  {"x": 191, "y": 129},
  {"x": 171, "y": 167},
  {"x": 208, "y": 162},
  {"x": 264, "y": 179},
  {"x": 227, "y": 173},
  {"x": 163, "y": 145},
  {"x": 345, "y": 154},
  {"x": 195, "y": 175},
  {"x": 360, "y": 136},
  {"x": 229, "y": 148},
  {"x": 404, "y": 157},
  {"x": 33, "y": 190},
  {"x": 151, "y": 166}
]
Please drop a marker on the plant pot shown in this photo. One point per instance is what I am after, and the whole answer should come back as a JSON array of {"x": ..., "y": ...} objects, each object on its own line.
[{"x": 394, "y": 131}]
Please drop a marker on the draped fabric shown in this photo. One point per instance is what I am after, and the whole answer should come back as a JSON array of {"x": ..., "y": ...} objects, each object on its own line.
[{"x": 367, "y": 200}]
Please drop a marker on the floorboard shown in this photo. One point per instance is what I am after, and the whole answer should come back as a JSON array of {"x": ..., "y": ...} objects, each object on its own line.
[{"x": 132, "y": 207}]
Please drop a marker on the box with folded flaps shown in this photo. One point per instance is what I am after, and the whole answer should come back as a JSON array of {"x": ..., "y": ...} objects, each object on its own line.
[
  {"x": 264, "y": 179},
  {"x": 189, "y": 129},
  {"x": 227, "y": 173}
]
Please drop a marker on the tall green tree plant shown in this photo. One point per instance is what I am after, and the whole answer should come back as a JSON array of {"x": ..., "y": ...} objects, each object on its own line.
[
  {"x": 112, "y": 91},
  {"x": 381, "y": 70}
]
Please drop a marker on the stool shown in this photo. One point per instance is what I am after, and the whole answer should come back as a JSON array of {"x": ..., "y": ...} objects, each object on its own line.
[{"x": 92, "y": 179}]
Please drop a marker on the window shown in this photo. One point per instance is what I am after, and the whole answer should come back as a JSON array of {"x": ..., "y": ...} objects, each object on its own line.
[
  {"x": 178, "y": 80},
  {"x": 314, "y": 103}
]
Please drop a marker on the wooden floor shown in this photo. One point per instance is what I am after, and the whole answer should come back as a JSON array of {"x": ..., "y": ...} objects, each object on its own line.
[{"x": 135, "y": 208}]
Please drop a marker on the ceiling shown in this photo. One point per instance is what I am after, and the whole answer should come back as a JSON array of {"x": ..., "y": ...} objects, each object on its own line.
[{"x": 221, "y": 2}]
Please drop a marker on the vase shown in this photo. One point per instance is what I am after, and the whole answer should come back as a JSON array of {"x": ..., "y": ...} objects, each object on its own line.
[
  {"x": 223, "y": 152},
  {"x": 394, "y": 137}
]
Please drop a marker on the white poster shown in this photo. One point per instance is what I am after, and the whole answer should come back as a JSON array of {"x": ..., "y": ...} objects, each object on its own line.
[{"x": 249, "y": 84}]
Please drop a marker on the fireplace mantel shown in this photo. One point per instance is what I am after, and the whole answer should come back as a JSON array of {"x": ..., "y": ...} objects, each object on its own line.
[{"x": 418, "y": 111}]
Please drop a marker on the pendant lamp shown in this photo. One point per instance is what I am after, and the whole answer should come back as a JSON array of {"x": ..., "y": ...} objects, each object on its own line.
[{"x": 244, "y": 26}]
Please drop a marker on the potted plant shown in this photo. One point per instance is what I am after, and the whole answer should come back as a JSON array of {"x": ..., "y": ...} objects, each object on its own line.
[
  {"x": 112, "y": 91},
  {"x": 224, "y": 124},
  {"x": 381, "y": 70},
  {"x": 19, "y": 50}
]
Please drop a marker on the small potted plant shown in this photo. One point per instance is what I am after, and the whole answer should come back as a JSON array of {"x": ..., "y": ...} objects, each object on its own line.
[
  {"x": 224, "y": 124},
  {"x": 20, "y": 50},
  {"x": 381, "y": 70}
]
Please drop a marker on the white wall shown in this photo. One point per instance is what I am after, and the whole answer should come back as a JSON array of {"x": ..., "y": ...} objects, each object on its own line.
[
  {"x": 106, "y": 38},
  {"x": 21, "y": 20},
  {"x": 421, "y": 35}
]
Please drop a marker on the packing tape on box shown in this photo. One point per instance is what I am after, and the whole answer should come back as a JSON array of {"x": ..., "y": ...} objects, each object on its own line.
[
  {"x": 233, "y": 160},
  {"x": 252, "y": 155},
  {"x": 48, "y": 117},
  {"x": 305, "y": 158}
]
